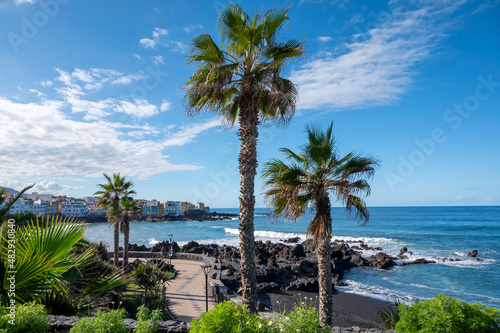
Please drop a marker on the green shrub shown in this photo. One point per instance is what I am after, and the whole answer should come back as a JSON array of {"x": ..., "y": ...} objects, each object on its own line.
[
  {"x": 303, "y": 318},
  {"x": 444, "y": 314},
  {"x": 29, "y": 317},
  {"x": 226, "y": 317},
  {"x": 229, "y": 318},
  {"x": 103, "y": 322},
  {"x": 148, "y": 322}
]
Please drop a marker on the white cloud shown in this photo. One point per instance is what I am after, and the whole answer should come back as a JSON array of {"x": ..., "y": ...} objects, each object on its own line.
[
  {"x": 165, "y": 106},
  {"x": 20, "y": 2},
  {"x": 37, "y": 92},
  {"x": 139, "y": 108},
  {"x": 189, "y": 133},
  {"x": 83, "y": 75},
  {"x": 189, "y": 28},
  {"x": 158, "y": 33},
  {"x": 73, "y": 93},
  {"x": 52, "y": 187},
  {"x": 147, "y": 43},
  {"x": 127, "y": 79},
  {"x": 47, "y": 83},
  {"x": 324, "y": 38},
  {"x": 42, "y": 141},
  {"x": 135, "y": 55},
  {"x": 158, "y": 39},
  {"x": 158, "y": 59},
  {"x": 380, "y": 68}
]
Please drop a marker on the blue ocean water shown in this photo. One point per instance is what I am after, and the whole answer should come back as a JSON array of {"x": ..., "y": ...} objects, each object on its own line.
[{"x": 432, "y": 233}]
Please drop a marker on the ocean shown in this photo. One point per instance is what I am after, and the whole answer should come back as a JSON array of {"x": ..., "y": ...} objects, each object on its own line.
[{"x": 432, "y": 233}]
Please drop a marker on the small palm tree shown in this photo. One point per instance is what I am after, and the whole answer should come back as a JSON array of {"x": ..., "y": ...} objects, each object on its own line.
[
  {"x": 315, "y": 173},
  {"x": 242, "y": 80},
  {"x": 110, "y": 195},
  {"x": 126, "y": 208}
]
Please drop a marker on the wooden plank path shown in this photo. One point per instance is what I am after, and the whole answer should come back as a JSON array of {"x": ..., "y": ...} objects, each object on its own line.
[{"x": 186, "y": 293}]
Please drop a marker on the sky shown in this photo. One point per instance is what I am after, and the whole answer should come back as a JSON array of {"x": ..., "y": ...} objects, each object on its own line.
[{"x": 92, "y": 87}]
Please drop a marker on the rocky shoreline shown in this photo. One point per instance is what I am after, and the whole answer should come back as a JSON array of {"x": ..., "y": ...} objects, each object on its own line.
[
  {"x": 208, "y": 217},
  {"x": 285, "y": 267}
]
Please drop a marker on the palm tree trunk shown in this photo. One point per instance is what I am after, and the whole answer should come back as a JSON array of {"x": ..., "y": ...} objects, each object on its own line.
[
  {"x": 324, "y": 253},
  {"x": 325, "y": 281},
  {"x": 248, "y": 133},
  {"x": 126, "y": 232},
  {"x": 117, "y": 243}
]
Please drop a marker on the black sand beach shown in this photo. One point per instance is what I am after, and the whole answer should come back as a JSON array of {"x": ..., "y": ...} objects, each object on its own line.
[{"x": 349, "y": 309}]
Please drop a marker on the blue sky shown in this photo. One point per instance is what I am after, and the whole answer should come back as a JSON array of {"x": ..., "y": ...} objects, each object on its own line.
[{"x": 96, "y": 86}]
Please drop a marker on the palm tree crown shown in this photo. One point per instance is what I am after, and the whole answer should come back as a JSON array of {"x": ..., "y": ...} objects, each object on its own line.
[
  {"x": 246, "y": 71},
  {"x": 312, "y": 176},
  {"x": 110, "y": 195},
  {"x": 242, "y": 80}
]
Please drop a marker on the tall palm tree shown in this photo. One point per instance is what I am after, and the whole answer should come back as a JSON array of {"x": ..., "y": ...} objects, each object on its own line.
[
  {"x": 241, "y": 80},
  {"x": 313, "y": 175},
  {"x": 110, "y": 195},
  {"x": 126, "y": 208}
]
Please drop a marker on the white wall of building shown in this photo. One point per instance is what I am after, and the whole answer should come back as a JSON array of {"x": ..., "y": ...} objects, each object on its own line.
[{"x": 74, "y": 209}]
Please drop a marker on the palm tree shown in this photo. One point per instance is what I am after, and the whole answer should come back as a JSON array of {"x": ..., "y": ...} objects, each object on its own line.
[
  {"x": 241, "y": 80},
  {"x": 123, "y": 211},
  {"x": 110, "y": 195},
  {"x": 315, "y": 173}
]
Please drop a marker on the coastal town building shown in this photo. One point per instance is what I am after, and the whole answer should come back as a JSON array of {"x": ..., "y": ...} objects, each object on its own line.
[
  {"x": 87, "y": 206},
  {"x": 73, "y": 209},
  {"x": 37, "y": 196},
  {"x": 173, "y": 208}
]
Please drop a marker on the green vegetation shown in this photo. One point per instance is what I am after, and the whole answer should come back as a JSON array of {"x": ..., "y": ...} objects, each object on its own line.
[
  {"x": 444, "y": 314},
  {"x": 110, "y": 196},
  {"x": 389, "y": 316},
  {"x": 152, "y": 279},
  {"x": 54, "y": 266},
  {"x": 148, "y": 322},
  {"x": 243, "y": 80},
  {"x": 29, "y": 317},
  {"x": 313, "y": 174},
  {"x": 229, "y": 318},
  {"x": 105, "y": 322}
]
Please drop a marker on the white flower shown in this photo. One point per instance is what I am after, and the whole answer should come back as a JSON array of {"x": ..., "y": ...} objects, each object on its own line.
[
  {"x": 270, "y": 323},
  {"x": 260, "y": 325}
]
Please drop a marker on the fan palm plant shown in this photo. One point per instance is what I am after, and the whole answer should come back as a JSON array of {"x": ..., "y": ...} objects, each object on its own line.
[
  {"x": 126, "y": 208},
  {"x": 21, "y": 217},
  {"x": 45, "y": 265},
  {"x": 110, "y": 194},
  {"x": 242, "y": 80},
  {"x": 313, "y": 175}
]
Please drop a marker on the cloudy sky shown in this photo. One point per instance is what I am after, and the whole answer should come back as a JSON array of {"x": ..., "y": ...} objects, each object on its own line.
[{"x": 89, "y": 87}]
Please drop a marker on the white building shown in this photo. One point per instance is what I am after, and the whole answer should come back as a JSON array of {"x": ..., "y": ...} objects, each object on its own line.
[
  {"x": 74, "y": 209},
  {"x": 173, "y": 208},
  {"x": 37, "y": 196},
  {"x": 21, "y": 206}
]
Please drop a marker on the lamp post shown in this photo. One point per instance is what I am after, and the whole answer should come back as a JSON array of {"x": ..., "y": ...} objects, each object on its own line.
[
  {"x": 171, "y": 252},
  {"x": 206, "y": 270}
]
